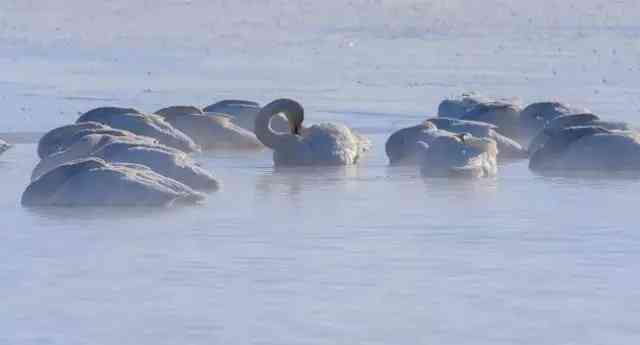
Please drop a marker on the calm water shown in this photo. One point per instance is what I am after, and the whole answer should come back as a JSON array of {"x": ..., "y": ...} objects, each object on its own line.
[{"x": 363, "y": 255}]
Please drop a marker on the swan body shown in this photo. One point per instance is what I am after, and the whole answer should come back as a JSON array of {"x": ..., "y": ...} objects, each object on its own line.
[
  {"x": 210, "y": 130},
  {"x": 459, "y": 155},
  {"x": 574, "y": 120},
  {"x": 163, "y": 160},
  {"x": 141, "y": 124},
  {"x": 588, "y": 149},
  {"x": 95, "y": 182},
  {"x": 243, "y": 113},
  {"x": 536, "y": 116},
  {"x": 507, "y": 147},
  {"x": 402, "y": 146},
  {"x": 4, "y": 146},
  {"x": 59, "y": 139},
  {"x": 459, "y": 106},
  {"x": 324, "y": 144},
  {"x": 505, "y": 114}
]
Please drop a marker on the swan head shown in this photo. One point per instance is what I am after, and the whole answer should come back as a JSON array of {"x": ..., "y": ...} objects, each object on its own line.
[{"x": 291, "y": 109}]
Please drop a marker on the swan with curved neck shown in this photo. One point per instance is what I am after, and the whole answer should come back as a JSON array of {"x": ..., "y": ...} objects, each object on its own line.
[{"x": 323, "y": 144}]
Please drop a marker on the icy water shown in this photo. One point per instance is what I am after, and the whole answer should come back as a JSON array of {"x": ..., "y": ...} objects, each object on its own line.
[{"x": 360, "y": 255}]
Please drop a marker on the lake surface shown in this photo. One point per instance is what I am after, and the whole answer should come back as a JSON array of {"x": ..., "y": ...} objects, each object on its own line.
[
  {"x": 359, "y": 255},
  {"x": 367, "y": 255}
]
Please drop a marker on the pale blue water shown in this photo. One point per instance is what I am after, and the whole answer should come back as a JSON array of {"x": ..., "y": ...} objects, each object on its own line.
[{"x": 366, "y": 255}]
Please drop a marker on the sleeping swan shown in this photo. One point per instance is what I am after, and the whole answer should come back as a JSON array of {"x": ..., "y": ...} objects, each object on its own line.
[
  {"x": 148, "y": 125},
  {"x": 402, "y": 148},
  {"x": 95, "y": 182},
  {"x": 537, "y": 116},
  {"x": 460, "y": 155},
  {"x": 588, "y": 149},
  {"x": 503, "y": 113},
  {"x": 323, "y": 144},
  {"x": 125, "y": 147},
  {"x": 243, "y": 113},
  {"x": 209, "y": 130},
  {"x": 575, "y": 120}
]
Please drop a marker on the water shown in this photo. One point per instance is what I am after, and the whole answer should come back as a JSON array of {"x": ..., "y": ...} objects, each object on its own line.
[
  {"x": 360, "y": 255},
  {"x": 367, "y": 255}
]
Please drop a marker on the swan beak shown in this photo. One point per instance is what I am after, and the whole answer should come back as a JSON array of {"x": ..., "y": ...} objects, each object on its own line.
[{"x": 296, "y": 129}]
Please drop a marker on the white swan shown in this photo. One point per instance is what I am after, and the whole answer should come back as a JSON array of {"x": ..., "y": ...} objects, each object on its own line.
[
  {"x": 458, "y": 106},
  {"x": 128, "y": 148},
  {"x": 241, "y": 112},
  {"x": 459, "y": 155},
  {"x": 503, "y": 113},
  {"x": 588, "y": 149},
  {"x": 59, "y": 139},
  {"x": 141, "y": 124},
  {"x": 4, "y": 146},
  {"x": 536, "y": 116},
  {"x": 94, "y": 182},
  {"x": 324, "y": 144},
  {"x": 244, "y": 113},
  {"x": 210, "y": 130},
  {"x": 574, "y": 120},
  {"x": 402, "y": 146},
  {"x": 507, "y": 147}
]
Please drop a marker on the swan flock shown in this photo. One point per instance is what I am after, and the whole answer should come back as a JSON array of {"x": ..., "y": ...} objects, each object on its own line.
[{"x": 114, "y": 156}]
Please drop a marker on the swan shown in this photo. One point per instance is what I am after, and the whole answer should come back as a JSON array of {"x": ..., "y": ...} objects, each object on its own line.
[
  {"x": 460, "y": 155},
  {"x": 574, "y": 120},
  {"x": 95, "y": 182},
  {"x": 59, "y": 139},
  {"x": 243, "y": 113},
  {"x": 459, "y": 106},
  {"x": 588, "y": 149},
  {"x": 323, "y": 144},
  {"x": 129, "y": 148},
  {"x": 141, "y": 124},
  {"x": 536, "y": 116},
  {"x": 507, "y": 147},
  {"x": 208, "y": 130},
  {"x": 503, "y": 113},
  {"x": 402, "y": 146},
  {"x": 4, "y": 146}
]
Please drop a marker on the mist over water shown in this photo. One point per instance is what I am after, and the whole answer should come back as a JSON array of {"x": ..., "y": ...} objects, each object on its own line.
[
  {"x": 368, "y": 254},
  {"x": 355, "y": 255}
]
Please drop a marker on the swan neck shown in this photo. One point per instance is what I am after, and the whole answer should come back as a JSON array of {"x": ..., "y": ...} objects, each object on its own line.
[{"x": 291, "y": 109}]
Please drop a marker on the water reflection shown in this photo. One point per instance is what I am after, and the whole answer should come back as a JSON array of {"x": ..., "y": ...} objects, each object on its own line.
[
  {"x": 101, "y": 214},
  {"x": 294, "y": 180},
  {"x": 590, "y": 175}
]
